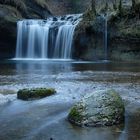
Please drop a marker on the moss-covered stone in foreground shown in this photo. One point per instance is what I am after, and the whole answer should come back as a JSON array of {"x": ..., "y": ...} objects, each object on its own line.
[
  {"x": 35, "y": 93},
  {"x": 75, "y": 115},
  {"x": 101, "y": 108}
]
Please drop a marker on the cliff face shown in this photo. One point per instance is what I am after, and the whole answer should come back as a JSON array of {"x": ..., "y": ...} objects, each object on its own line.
[
  {"x": 124, "y": 30},
  {"x": 10, "y": 12},
  {"x": 123, "y": 26},
  {"x": 63, "y": 7},
  {"x": 13, "y": 10}
]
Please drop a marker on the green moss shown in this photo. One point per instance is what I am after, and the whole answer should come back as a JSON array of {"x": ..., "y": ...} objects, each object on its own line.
[
  {"x": 130, "y": 31},
  {"x": 10, "y": 12},
  {"x": 89, "y": 15},
  {"x": 42, "y": 3},
  {"x": 116, "y": 97},
  {"x": 28, "y": 94},
  {"x": 74, "y": 115},
  {"x": 18, "y": 4},
  {"x": 99, "y": 109},
  {"x": 136, "y": 6},
  {"x": 120, "y": 7}
]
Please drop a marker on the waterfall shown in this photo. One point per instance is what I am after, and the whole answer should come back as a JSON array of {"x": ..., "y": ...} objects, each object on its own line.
[
  {"x": 106, "y": 39},
  {"x": 46, "y": 39},
  {"x": 105, "y": 17}
]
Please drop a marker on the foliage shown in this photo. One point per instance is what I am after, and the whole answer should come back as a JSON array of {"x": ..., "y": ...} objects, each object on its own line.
[
  {"x": 19, "y": 4},
  {"x": 93, "y": 4},
  {"x": 42, "y": 3},
  {"x": 133, "y": 3},
  {"x": 132, "y": 31},
  {"x": 120, "y": 7},
  {"x": 115, "y": 5}
]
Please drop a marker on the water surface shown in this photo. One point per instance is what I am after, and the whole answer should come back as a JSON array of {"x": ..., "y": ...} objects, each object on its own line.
[{"x": 47, "y": 118}]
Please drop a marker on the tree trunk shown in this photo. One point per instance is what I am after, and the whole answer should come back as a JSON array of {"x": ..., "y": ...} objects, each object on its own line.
[
  {"x": 133, "y": 4},
  {"x": 93, "y": 6}
]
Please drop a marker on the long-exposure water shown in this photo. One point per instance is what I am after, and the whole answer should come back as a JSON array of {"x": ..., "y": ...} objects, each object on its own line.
[{"x": 47, "y": 118}]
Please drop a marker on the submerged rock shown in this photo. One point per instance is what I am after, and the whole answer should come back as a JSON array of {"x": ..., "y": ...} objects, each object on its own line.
[
  {"x": 29, "y": 94},
  {"x": 101, "y": 108}
]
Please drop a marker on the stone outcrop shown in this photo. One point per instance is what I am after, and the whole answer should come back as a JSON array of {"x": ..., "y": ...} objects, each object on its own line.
[
  {"x": 123, "y": 26},
  {"x": 123, "y": 32}
]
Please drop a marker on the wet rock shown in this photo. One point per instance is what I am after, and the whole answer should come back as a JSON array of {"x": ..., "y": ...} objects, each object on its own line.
[
  {"x": 54, "y": 19},
  {"x": 36, "y": 93},
  {"x": 123, "y": 27},
  {"x": 88, "y": 37},
  {"x": 10, "y": 12},
  {"x": 8, "y": 17},
  {"x": 100, "y": 108}
]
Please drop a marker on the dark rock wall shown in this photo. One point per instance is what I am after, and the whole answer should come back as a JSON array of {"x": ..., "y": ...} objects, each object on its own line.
[
  {"x": 63, "y": 7},
  {"x": 123, "y": 26},
  {"x": 10, "y": 12},
  {"x": 123, "y": 33},
  {"x": 89, "y": 38},
  {"x": 13, "y": 10}
]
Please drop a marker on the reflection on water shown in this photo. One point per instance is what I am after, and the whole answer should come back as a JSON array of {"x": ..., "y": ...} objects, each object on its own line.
[
  {"x": 55, "y": 67},
  {"x": 43, "y": 68},
  {"x": 46, "y": 118}
]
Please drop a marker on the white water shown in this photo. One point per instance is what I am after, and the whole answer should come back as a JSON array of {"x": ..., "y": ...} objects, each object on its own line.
[
  {"x": 7, "y": 98},
  {"x": 105, "y": 17},
  {"x": 43, "y": 39},
  {"x": 105, "y": 40}
]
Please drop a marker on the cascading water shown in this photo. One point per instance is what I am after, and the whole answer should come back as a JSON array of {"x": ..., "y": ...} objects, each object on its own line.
[
  {"x": 105, "y": 17},
  {"x": 106, "y": 39},
  {"x": 44, "y": 39}
]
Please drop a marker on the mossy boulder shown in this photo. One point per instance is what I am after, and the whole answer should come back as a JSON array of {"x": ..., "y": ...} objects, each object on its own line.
[
  {"x": 101, "y": 108},
  {"x": 35, "y": 93}
]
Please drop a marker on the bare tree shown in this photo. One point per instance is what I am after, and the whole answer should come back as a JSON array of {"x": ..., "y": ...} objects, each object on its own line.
[
  {"x": 133, "y": 4},
  {"x": 115, "y": 5},
  {"x": 93, "y": 5},
  {"x": 120, "y": 7}
]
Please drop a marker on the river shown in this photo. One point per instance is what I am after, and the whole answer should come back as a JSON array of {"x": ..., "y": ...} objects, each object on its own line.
[{"x": 46, "y": 118}]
